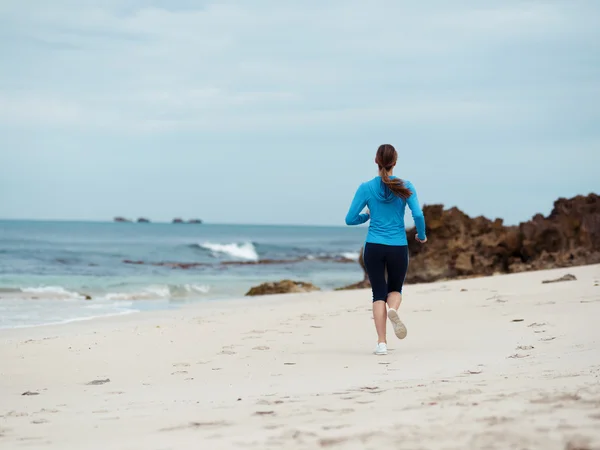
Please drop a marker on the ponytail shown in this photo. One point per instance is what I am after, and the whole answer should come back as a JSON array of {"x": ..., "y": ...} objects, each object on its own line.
[
  {"x": 386, "y": 160},
  {"x": 396, "y": 185}
]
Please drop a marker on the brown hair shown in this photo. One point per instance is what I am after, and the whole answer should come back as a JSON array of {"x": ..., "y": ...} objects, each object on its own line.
[{"x": 386, "y": 160}]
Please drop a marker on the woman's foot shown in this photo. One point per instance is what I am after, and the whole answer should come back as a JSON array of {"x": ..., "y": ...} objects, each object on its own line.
[
  {"x": 381, "y": 349},
  {"x": 399, "y": 327}
]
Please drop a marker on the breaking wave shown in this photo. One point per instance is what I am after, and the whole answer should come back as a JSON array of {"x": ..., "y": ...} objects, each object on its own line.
[
  {"x": 152, "y": 292},
  {"x": 245, "y": 251}
]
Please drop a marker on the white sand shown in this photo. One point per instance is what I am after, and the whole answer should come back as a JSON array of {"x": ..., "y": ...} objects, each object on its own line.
[{"x": 298, "y": 371}]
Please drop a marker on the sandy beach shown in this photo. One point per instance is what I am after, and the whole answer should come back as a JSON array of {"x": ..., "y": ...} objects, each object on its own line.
[{"x": 499, "y": 362}]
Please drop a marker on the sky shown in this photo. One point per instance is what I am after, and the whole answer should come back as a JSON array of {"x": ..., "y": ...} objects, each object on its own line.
[{"x": 271, "y": 112}]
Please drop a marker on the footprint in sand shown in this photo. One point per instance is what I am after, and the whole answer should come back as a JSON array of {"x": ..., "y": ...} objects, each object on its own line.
[
  {"x": 555, "y": 398},
  {"x": 269, "y": 402},
  {"x": 180, "y": 372},
  {"x": 261, "y": 347},
  {"x": 197, "y": 425},
  {"x": 98, "y": 382},
  {"x": 15, "y": 414},
  {"x": 518, "y": 356},
  {"x": 334, "y": 427},
  {"x": 39, "y": 421},
  {"x": 525, "y": 347},
  {"x": 339, "y": 411},
  {"x": 181, "y": 365},
  {"x": 30, "y": 393},
  {"x": 227, "y": 352},
  {"x": 308, "y": 317}
]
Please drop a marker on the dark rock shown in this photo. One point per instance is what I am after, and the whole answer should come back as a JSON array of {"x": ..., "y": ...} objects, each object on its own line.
[
  {"x": 30, "y": 393},
  {"x": 364, "y": 284},
  {"x": 282, "y": 287},
  {"x": 143, "y": 220},
  {"x": 567, "y": 277}
]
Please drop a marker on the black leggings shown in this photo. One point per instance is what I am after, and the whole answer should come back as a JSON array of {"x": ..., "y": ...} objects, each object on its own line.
[{"x": 378, "y": 258}]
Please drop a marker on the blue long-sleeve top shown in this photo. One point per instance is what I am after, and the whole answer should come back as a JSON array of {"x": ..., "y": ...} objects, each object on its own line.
[{"x": 386, "y": 211}]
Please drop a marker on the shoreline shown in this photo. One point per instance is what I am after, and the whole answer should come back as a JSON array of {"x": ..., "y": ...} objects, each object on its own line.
[
  {"x": 178, "y": 303},
  {"x": 495, "y": 362}
]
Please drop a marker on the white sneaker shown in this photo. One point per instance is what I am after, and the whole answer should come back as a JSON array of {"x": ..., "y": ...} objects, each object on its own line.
[
  {"x": 399, "y": 327},
  {"x": 381, "y": 349}
]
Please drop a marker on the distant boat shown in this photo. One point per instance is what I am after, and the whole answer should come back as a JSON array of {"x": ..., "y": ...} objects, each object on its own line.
[
  {"x": 121, "y": 220},
  {"x": 195, "y": 221},
  {"x": 178, "y": 220},
  {"x": 143, "y": 220}
]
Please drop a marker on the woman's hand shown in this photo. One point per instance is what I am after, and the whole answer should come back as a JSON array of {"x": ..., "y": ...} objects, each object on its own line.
[{"x": 422, "y": 241}]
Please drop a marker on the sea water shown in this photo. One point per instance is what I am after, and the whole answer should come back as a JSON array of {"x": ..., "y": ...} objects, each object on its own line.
[{"x": 56, "y": 272}]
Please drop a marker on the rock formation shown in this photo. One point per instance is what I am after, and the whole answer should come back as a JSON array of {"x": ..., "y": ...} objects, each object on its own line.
[
  {"x": 460, "y": 246},
  {"x": 282, "y": 287}
]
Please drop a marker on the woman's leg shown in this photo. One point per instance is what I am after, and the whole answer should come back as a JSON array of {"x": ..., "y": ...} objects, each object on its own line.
[
  {"x": 374, "y": 258},
  {"x": 380, "y": 316},
  {"x": 394, "y": 300},
  {"x": 397, "y": 264}
]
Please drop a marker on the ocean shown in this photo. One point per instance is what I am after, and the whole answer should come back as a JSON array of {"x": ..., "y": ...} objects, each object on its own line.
[{"x": 58, "y": 272}]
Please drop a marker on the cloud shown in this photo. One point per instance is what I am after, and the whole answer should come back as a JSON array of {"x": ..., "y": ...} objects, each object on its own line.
[{"x": 158, "y": 66}]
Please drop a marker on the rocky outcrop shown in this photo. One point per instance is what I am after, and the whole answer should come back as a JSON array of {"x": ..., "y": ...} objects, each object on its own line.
[
  {"x": 460, "y": 246},
  {"x": 282, "y": 287}
]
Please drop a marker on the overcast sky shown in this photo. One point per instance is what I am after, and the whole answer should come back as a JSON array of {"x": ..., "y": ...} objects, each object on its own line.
[{"x": 267, "y": 111}]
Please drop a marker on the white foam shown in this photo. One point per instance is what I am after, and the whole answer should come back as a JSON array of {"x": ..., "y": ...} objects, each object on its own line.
[
  {"x": 351, "y": 255},
  {"x": 75, "y": 319},
  {"x": 149, "y": 293},
  {"x": 197, "y": 288},
  {"x": 159, "y": 291},
  {"x": 56, "y": 292},
  {"x": 245, "y": 251}
]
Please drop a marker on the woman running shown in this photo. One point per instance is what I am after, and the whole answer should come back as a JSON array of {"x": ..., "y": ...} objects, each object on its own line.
[{"x": 386, "y": 247}]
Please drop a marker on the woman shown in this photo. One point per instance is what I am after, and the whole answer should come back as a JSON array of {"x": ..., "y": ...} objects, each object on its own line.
[{"x": 386, "y": 246}]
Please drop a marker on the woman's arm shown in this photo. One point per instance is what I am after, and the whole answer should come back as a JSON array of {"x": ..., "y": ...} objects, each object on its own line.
[
  {"x": 417, "y": 212},
  {"x": 354, "y": 216}
]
